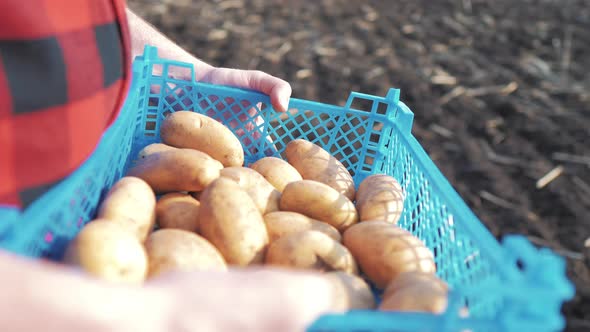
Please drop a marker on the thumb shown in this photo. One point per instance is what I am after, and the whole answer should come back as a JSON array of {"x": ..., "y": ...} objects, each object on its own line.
[
  {"x": 279, "y": 90},
  {"x": 248, "y": 299},
  {"x": 292, "y": 300},
  {"x": 280, "y": 94}
]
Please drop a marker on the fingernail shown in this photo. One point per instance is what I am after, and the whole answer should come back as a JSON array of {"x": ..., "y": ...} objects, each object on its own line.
[{"x": 284, "y": 101}]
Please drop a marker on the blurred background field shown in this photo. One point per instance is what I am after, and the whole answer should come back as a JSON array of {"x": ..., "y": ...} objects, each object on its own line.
[{"x": 500, "y": 91}]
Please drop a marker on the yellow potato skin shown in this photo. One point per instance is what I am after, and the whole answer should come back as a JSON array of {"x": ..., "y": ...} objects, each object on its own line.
[
  {"x": 154, "y": 148},
  {"x": 380, "y": 197},
  {"x": 281, "y": 223},
  {"x": 276, "y": 171},
  {"x": 179, "y": 211},
  {"x": 264, "y": 195},
  {"x": 196, "y": 194},
  {"x": 310, "y": 250},
  {"x": 315, "y": 163},
  {"x": 410, "y": 278},
  {"x": 177, "y": 170},
  {"x": 171, "y": 250},
  {"x": 109, "y": 251},
  {"x": 415, "y": 292},
  {"x": 319, "y": 201},
  {"x": 230, "y": 220},
  {"x": 186, "y": 129},
  {"x": 132, "y": 202},
  {"x": 351, "y": 292},
  {"x": 383, "y": 251}
]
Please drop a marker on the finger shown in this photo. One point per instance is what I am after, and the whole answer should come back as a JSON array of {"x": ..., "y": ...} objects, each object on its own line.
[
  {"x": 278, "y": 89},
  {"x": 246, "y": 299},
  {"x": 304, "y": 297},
  {"x": 279, "y": 96}
]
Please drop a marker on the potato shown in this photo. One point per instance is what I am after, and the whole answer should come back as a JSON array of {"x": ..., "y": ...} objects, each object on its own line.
[
  {"x": 310, "y": 250},
  {"x": 172, "y": 250},
  {"x": 154, "y": 148},
  {"x": 380, "y": 197},
  {"x": 415, "y": 292},
  {"x": 108, "y": 251},
  {"x": 408, "y": 279},
  {"x": 178, "y": 210},
  {"x": 350, "y": 292},
  {"x": 132, "y": 202},
  {"x": 282, "y": 223},
  {"x": 264, "y": 195},
  {"x": 315, "y": 163},
  {"x": 177, "y": 170},
  {"x": 230, "y": 220},
  {"x": 319, "y": 201},
  {"x": 186, "y": 129},
  {"x": 383, "y": 251},
  {"x": 276, "y": 171},
  {"x": 197, "y": 194}
]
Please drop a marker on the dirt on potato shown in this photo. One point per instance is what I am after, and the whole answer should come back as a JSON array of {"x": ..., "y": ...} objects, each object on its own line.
[{"x": 499, "y": 89}]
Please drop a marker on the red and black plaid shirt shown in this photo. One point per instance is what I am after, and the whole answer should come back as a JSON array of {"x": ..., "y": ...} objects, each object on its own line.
[{"x": 64, "y": 71}]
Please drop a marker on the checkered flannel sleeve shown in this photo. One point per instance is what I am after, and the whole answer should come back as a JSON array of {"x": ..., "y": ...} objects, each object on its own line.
[{"x": 64, "y": 73}]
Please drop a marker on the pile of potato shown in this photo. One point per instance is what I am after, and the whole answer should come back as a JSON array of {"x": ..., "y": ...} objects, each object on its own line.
[{"x": 189, "y": 204}]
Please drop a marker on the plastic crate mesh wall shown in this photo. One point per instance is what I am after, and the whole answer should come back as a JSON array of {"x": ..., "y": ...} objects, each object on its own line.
[{"x": 48, "y": 225}]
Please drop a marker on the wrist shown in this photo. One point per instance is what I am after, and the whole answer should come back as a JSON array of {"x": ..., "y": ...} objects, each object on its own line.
[{"x": 142, "y": 33}]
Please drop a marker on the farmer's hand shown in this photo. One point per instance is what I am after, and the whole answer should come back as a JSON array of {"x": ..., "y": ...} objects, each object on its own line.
[
  {"x": 277, "y": 89},
  {"x": 143, "y": 33},
  {"x": 249, "y": 123},
  {"x": 243, "y": 300},
  {"x": 51, "y": 297}
]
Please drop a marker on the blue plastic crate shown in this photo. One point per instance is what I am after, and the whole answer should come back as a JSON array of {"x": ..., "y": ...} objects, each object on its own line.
[{"x": 507, "y": 287}]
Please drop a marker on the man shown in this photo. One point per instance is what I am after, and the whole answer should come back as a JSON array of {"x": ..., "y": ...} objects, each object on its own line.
[{"x": 64, "y": 74}]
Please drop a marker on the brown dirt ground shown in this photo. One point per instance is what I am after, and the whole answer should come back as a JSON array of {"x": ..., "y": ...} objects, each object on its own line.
[{"x": 499, "y": 90}]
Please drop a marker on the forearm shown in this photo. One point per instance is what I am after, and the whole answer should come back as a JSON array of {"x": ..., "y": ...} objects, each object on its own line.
[
  {"x": 143, "y": 33},
  {"x": 36, "y": 297}
]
